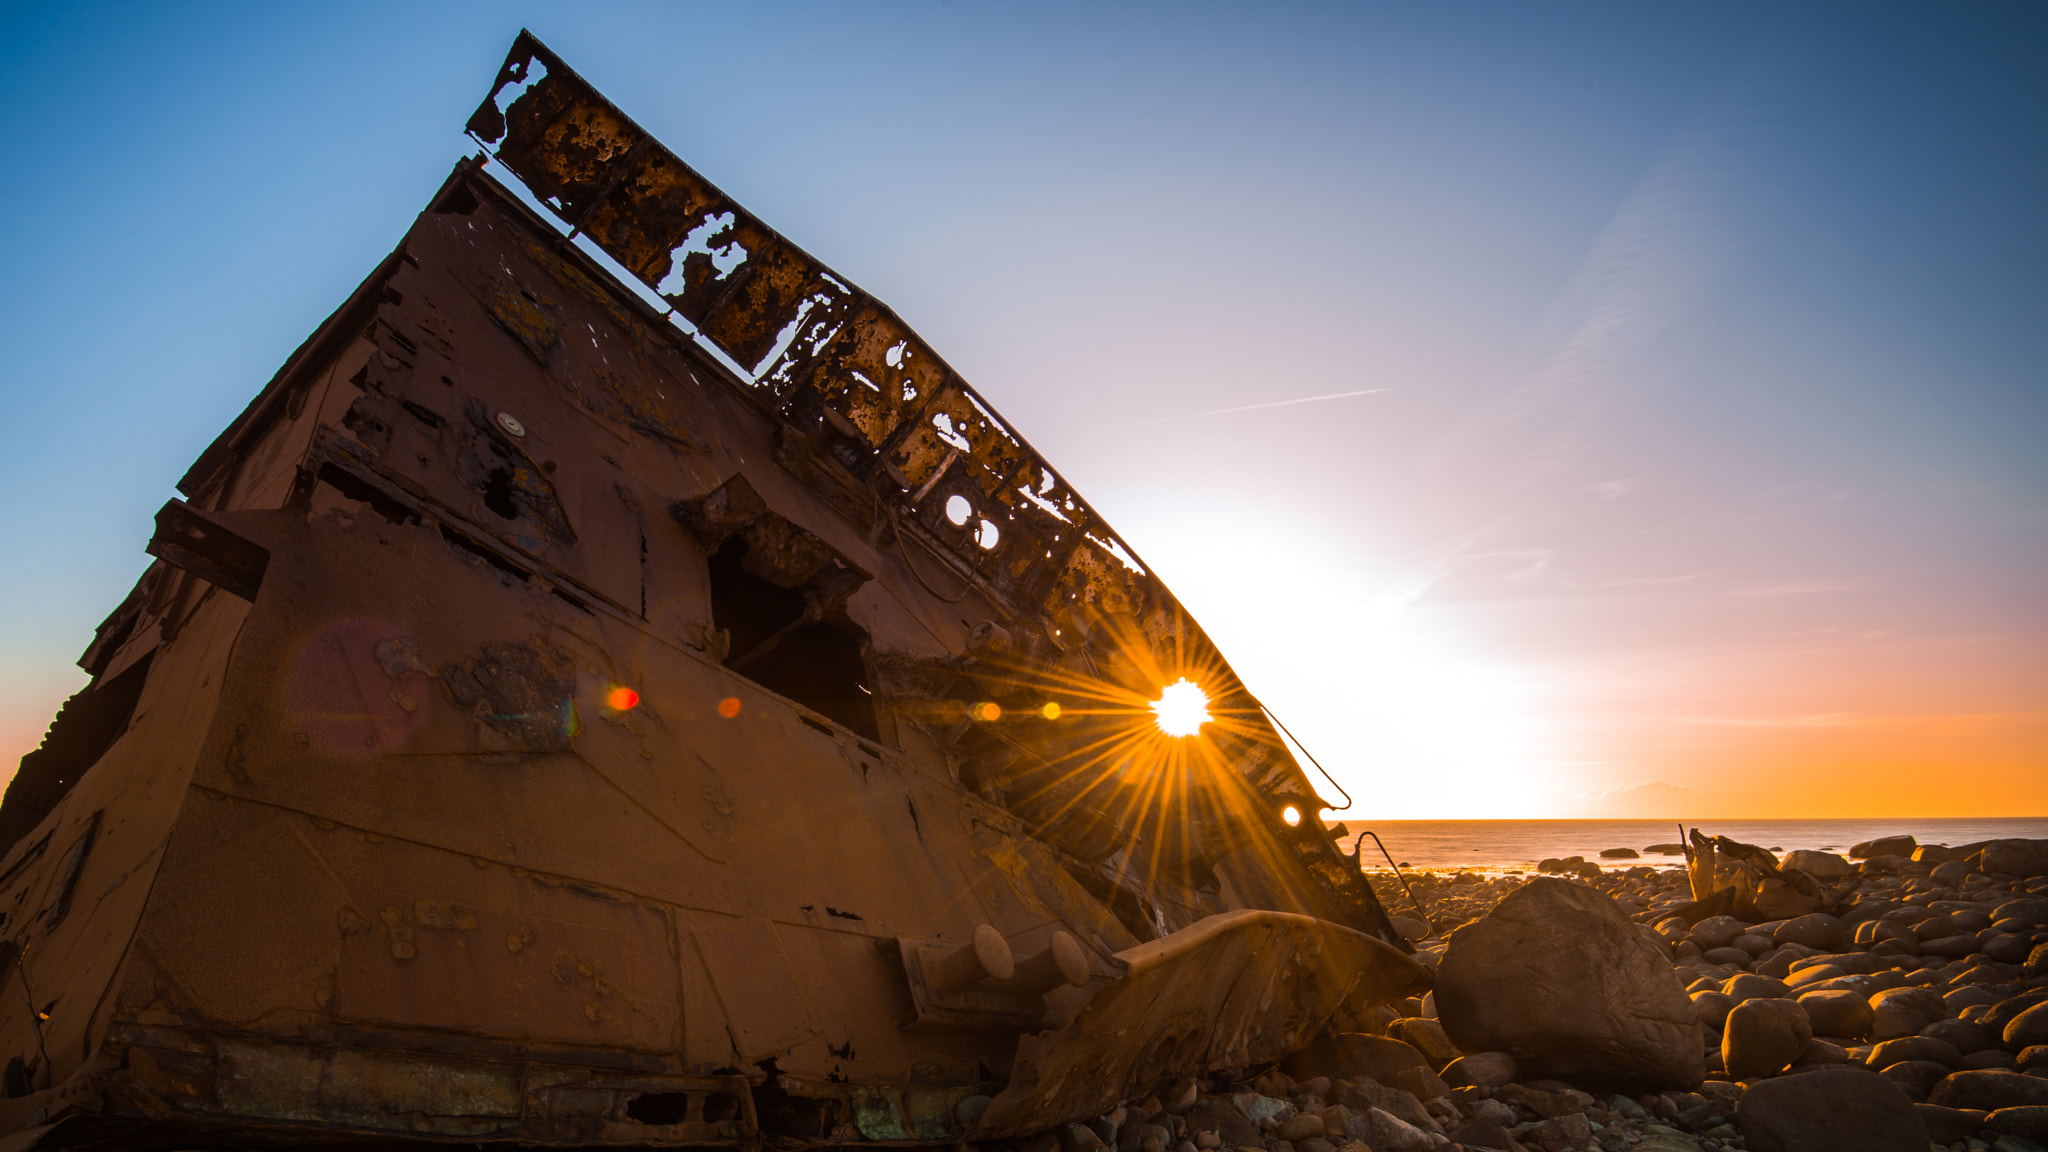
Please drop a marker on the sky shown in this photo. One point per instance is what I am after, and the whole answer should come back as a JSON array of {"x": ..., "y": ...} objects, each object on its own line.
[{"x": 1550, "y": 410}]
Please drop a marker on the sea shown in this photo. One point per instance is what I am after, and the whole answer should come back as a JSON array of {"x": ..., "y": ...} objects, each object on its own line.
[{"x": 1494, "y": 846}]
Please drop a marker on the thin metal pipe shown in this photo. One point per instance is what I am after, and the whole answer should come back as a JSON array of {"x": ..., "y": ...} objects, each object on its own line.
[{"x": 1397, "y": 873}]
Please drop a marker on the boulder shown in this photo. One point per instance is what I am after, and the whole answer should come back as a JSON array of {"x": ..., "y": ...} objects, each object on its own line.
[
  {"x": 1425, "y": 1036},
  {"x": 1916, "y": 1078},
  {"x": 1300, "y": 1127},
  {"x": 1815, "y": 930},
  {"x": 1884, "y": 846},
  {"x": 2028, "y": 1028},
  {"x": 1762, "y": 1037},
  {"x": 1926, "y": 1001},
  {"x": 1712, "y": 1007},
  {"x": 2031, "y": 910},
  {"x": 2032, "y": 1059},
  {"x": 2008, "y": 948},
  {"x": 2022, "y": 858},
  {"x": 1390, "y": 1133},
  {"x": 1933, "y": 854},
  {"x": 1819, "y": 865},
  {"x": 2007, "y": 1010},
  {"x": 1837, "y": 1013},
  {"x": 1989, "y": 1090},
  {"x": 1949, "y": 947},
  {"x": 1717, "y": 931},
  {"x": 1753, "y": 944},
  {"x": 1480, "y": 1070},
  {"x": 1890, "y": 1052},
  {"x": 1620, "y": 854},
  {"x": 1946, "y": 1126},
  {"x": 1557, "y": 977},
  {"x": 1953, "y": 872},
  {"x": 1750, "y": 986},
  {"x": 1829, "y": 1110},
  {"x": 1936, "y": 928},
  {"x": 2029, "y": 1122},
  {"x": 1967, "y": 1039}
]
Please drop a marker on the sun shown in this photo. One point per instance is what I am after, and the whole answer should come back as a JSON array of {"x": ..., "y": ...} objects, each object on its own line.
[{"x": 1182, "y": 708}]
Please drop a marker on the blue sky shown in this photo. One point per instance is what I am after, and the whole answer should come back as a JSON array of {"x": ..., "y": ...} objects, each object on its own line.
[{"x": 1706, "y": 346}]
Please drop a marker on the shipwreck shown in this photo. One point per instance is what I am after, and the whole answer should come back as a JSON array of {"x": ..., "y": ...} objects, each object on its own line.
[{"x": 616, "y": 685}]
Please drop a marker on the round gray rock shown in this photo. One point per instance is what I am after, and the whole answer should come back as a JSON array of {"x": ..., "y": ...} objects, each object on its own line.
[
  {"x": 1557, "y": 976},
  {"x": 1829, "y": 1110}
]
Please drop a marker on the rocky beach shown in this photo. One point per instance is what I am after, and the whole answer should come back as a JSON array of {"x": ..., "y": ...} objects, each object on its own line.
[{"x": 1892, "y": 998}]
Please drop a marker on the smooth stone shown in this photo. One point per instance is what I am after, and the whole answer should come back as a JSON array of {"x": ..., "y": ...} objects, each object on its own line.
[
  {"x": 2033, "y": 1058},
  {"x": 1936, "y": 928},
  {"x": 1480, "y": 1070},
  {"x": 1819, "y": 865},
  {"x": 1891, "y": 1052},
  {"x": 2029, "y": 909},
  {"x": 1916, "y": 1078},
  {"x": 1992, "y": 1058},
  {"x": 2022, "y": 858},
  {"x": 1815, "y": 930},
  {"x": 1557, "y": 976},
  {"x": 1750, "y": 986},
  {"x": 1813, "y": 974},
  {"x": 1837, "y": 1013},
  {"x": 1829, "y": 1110},
  {"x": 1884, "y": 846},
  {"x": 1727, "y": 955},
  {"x": 1952, "y": 872},
  {"x": 2008, "y": 948},
  {"x": 2028, "y": 1120},
  {"x": 1295, "y": 1129},
  {"x": 2028, "y": 1028},
  {"x": 1949, "y": 947},
  {"x": 1753, "y": 944},
  {"x": 1946, "y": 1126},
  {"x": 1989, "y": 1090},
  {"x": 1716, "y": 931},
  {"x": 1713, "y": 1007},
  {"x": 1966, "y": 1038},
  {"x": 1762, "y": 1037}
]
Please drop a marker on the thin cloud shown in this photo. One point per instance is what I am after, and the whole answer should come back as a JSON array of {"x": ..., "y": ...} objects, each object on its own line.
[{"x": 1272, "y": 404}]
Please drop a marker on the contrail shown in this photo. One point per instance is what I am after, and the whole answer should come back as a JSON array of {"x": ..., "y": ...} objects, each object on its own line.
[{"x": 1273, "y": 404}]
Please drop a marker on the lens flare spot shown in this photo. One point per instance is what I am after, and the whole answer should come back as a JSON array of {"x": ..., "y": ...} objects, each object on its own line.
[
  {"x": 729, "y": 707},
  {"x": 622, "y": 699},
  {"x": 1182, "y": 708},
  {"x": 1051, "y": 711},
  {"x": 1292, "y": 815},
  {"x": 987, "y": 712}
]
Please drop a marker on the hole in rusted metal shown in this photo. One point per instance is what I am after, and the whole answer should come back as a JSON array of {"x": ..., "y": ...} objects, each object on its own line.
[{"x": 659, "y": 1107}]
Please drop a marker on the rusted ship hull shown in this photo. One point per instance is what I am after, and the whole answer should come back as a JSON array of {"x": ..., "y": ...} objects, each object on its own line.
[{"x": 557, "y": 717}]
